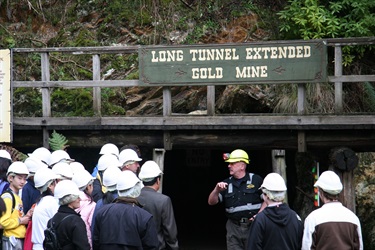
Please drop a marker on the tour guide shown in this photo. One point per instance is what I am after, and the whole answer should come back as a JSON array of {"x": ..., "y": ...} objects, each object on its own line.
[{"x": 241, "y": 196}]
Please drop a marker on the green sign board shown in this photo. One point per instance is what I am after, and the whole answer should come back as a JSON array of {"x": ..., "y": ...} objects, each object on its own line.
[{"x": 266, "y": 62}]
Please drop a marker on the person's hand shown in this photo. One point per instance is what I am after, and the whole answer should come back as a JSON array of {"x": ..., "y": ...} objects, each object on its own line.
[
  {"x": 24, "y": 220},
  {"x": 221, "y": 186}
]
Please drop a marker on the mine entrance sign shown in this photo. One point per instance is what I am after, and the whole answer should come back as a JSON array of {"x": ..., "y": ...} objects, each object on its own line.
[{"x": 293, "y": 61}]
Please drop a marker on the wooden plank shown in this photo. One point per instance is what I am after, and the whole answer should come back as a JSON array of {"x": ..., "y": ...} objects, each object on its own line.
[
  {"x": 301, "y": 98},
  {"x": 77, "y": 84},
  {"x": 302, "y": 145},
  {"x": 203, "y": 122},
  {"x": 210, "y": 100},
  {"x": 338, "y": 85},
  {"x": 352, "y": 78},
  {"x": 97, "y": 98},
  {"x": 167, "y": 101},
  {"x": 82, "y": 50}
]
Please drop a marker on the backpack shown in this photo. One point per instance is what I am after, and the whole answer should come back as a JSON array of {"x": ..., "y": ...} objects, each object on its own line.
[
  {"x": 13, "y": 206},
  {"x": 50, "y": 241}
]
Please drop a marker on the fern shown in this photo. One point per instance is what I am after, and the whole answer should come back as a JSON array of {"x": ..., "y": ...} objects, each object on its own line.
[{"x": 57, "y": 141}]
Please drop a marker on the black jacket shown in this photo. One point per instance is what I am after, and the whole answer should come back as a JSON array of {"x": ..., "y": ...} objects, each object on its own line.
[
  {"x": 124, "y": 225},
  {"x": 71, "y": 233},
  {"x": 276, "y": 227}
]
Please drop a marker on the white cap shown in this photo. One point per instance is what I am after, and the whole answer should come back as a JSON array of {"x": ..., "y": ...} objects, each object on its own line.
[
  {"x": 42, "y": 176},
  {"x": 127, "y": 179},
  {"x": 274, "y": 182},
  {"x": 59, "y": 155},
  {"x": 82, "y": 179},
  {"x": 76, "y": 166},
  {"x": 18, "y": 167},
  {"x": 63, "y": 170},
  {"x": 42, "y": 154},
  {"x": 5, "y": 154},
  {"x": 110, "y": 177},
  {"x": 33, "y": 164},
  {"x": 108, "y": 160},
  {"x": 128, "y": 155},
  {"x": 149, "y": 170},
  {"x": 66, "y": 187},
  {"x": 330, "y": 182},
  {"x": 109, "y": 148}
]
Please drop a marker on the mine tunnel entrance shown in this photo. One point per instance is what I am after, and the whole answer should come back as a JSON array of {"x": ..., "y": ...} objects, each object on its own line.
[{"x": 189, "y": 177}]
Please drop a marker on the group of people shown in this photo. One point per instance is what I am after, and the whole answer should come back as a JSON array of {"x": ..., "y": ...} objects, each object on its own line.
[
  {"x": 258, "y": 218},
  {"x": 51, "y": 189}
]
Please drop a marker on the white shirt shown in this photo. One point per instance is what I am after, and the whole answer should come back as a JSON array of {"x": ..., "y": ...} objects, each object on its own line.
[{"x": 43, "y": 211}]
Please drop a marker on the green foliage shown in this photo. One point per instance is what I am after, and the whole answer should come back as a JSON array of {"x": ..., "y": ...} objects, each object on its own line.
[
  {"x": 57, "y": 141},
  {"x": 369, "y": 96},
  {"x": 27, "y": 102},
  {"x": 74, "y": 102}
]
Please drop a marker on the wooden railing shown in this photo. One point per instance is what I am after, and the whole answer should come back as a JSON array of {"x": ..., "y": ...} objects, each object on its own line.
[{"x": 168, "y": 120}]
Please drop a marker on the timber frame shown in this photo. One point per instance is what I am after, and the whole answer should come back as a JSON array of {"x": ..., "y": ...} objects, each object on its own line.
[{"x": 284, "y": 131}]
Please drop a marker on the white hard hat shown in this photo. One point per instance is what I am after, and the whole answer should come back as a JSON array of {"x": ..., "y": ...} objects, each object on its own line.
[
  {"x": 128, "y": 155},
  {"x": 108, "y": 160},
  {"x": 109, "y": 148},
  {"x": 59, "y": 155},
  {"x": 110, "y": 176},
  {"x": 82, "y": 178},
  {"x": 33, "y": 164},
  {"x": 5, "y": 154},
  {"x": 42, "y": 176},
  {"x": 127, "y": 179},
  {"x": 76, "y": 166},
  {"x": 330, "y": 182},
  {"x": 64, "y": 188},
  {"x": 18, "y": 167},
  {"x": 149, "y": 169},
  {"x": 274, "y": 182},
  {"x": 42, "y": 154},
  {"x": 63, "y": 170}
]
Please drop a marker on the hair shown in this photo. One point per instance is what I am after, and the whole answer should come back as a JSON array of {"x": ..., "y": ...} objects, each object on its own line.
[
  {"x": 68, "y": 199},
  {"x": 151, "y": 181},
  {"x": 274, "y": 195},
  {"x": 3, "y": 208},
  {"x": 329, "y": 196},
  {"x": 85, "y": 190},
  {"x": 132, "y": 146},
  {"x": 108, "y": 197},
  {"x": 4, "y": 165},
  {"x": 45, "y": 191}
]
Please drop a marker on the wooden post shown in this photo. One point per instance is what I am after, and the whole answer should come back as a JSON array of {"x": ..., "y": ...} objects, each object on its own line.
[
  {"x": 46, "y": 97},
  {"x": 338, "y": 85},
  {"x": 347, "y": 196},
  {"x": 301, "y": 98},
  {"x": 96, "y": 93},
  {"x": 211, "y": 100},
  {"x": 301, "y": 142},
  {"x": 158, "y": 157},
  {"x": 167, "y": 101},
  {"x": 279, "y": 166}
]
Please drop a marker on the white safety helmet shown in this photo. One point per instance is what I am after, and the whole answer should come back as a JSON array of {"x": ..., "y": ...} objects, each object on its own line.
[
  {"x": 76, "y": 166},
  {"x": 33, "y": 164},
  {"x": 149, "y": 170},
  {"x": 128, "y": 156},
  {"x": 127, "y": 179},
  {"x": 58, "y": 156},
  {"x": 274, "y": 182},
  {"x": 82, "y": 179},
  {"x": 63, "y": 170},
  {"x": 330, "y": 182},
  {"x": 110, "y": 177},
  {"x": 42, "y": 154},
  {"x": 108, "y": 160},
  {"x": 64, "y": 188},
  {"x": 43, "y": 176},
  {"x": 5, "y": 154},
  {"x": 109, "y": 148},
  {"x": 18, "y": 167}
]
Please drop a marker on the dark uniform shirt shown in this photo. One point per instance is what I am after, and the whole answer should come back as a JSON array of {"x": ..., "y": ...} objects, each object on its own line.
[{"x": 242, "y": 198}]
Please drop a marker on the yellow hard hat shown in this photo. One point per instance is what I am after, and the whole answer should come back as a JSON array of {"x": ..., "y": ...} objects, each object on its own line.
[{"x": 237, "y": 155}]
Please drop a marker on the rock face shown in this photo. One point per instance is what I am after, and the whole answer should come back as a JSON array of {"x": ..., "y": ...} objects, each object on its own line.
[{"x": 365, "y": 199}]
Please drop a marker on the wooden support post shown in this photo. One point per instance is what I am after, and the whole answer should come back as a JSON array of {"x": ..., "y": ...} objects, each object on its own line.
[
  {"x": 301, "y": 142},
  {"x": 167, "y": 101},
  {"x": 347, "y": 196},
  {"x": 46, "y": 97},
  {"x": 338, "y": 85},
  {"x": 211, "y": 100},
  {"x": 158, "y": 157},
  {"x": 301, "y": 98},
  {"x": 97, "y": 97},
  {"x": 279, "y": 166},
  {"x": 167, "y": 140}
]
